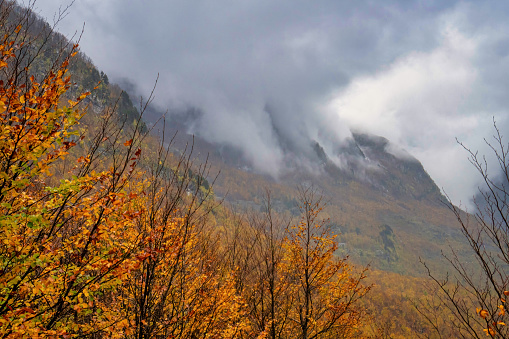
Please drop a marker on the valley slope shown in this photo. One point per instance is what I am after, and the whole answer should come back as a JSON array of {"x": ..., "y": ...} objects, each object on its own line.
[{"x": 385, "y": 208}]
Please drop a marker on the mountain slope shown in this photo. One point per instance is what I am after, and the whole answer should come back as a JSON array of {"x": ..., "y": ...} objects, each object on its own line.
[{"x": 386, "y": 209}]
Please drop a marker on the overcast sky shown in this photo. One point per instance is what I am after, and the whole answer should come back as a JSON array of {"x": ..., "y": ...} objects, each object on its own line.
[{"x": 420, "y": 73}]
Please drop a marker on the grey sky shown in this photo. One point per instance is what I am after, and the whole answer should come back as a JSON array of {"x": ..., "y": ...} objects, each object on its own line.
[{"x": 419, "y": 73}]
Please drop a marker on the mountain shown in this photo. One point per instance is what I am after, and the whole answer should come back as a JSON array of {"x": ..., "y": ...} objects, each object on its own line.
[
  {"x": 386, "y": 209},
  {"x": 384, "y": 206}
]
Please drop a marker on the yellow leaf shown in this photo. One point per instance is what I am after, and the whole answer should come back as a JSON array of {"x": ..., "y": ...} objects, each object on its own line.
[
  {"x": 489, "y": 331},
  {"x": 83, "y": 96}
]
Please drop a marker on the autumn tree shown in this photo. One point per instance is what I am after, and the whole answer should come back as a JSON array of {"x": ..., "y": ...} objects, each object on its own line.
[
  {"x": 179, "y": 287},
  {"x": 256, "y": 254},
  {"x": 325, "y": 288},
  {"x": 272, "y": 296},
  {"x": 290, "y": 277}
]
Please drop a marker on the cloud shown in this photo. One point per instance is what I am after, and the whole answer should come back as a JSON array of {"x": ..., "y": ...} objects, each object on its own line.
[
  {"x": 424, "y": 101},
  {"x": 272, "y": 75}
]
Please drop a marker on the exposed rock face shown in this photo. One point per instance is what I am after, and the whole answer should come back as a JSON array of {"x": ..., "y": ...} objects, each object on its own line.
[
  {"x": 399, "y": 176},
  {"x": 373, "y": 160}
]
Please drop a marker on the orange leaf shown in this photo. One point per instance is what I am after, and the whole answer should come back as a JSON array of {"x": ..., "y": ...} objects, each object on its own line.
[
  {"x": 128, "y": 142},
  {"x": 489, "y": 331}
]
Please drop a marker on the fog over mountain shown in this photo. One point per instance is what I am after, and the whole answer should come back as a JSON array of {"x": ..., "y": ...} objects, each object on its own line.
[{"x": 271, "y": 75}]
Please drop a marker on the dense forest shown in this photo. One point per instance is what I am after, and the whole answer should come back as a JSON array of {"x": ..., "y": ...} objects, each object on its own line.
[{"x": 108, "y": 232}]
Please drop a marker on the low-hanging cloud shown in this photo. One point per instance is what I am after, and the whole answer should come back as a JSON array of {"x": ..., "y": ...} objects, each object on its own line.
[
  {"x": 421, "y": 101},
  {"x": 271, "y": 77}
]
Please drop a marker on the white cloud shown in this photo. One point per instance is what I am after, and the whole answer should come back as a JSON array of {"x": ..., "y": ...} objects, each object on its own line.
[{"x": 420, "y": 102}]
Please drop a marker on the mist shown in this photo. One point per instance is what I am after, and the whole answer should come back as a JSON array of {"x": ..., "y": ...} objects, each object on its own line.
[{"x": 271, "y": 77}]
